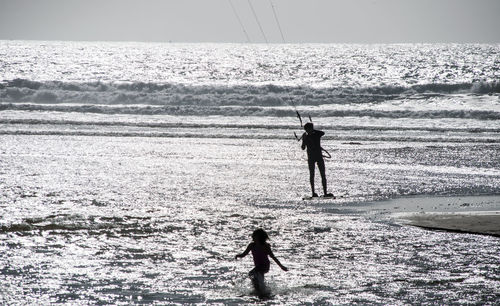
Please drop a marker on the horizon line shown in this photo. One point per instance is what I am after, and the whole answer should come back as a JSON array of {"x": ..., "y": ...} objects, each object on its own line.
[{"x": 251, "y": 43}]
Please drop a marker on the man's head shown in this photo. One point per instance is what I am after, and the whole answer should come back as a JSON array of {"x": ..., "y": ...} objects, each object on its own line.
[{"x": 308, "y": 127}]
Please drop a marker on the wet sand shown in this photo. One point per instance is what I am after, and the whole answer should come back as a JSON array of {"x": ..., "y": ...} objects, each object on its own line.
[
  {"x": 471, "y": 214},
  {"x": 480, "y": 222}
]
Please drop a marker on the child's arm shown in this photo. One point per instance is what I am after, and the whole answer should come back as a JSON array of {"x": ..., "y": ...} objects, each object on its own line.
[
  {"x": 271, "y": 254},
  {"x": 245, "y": 253}
]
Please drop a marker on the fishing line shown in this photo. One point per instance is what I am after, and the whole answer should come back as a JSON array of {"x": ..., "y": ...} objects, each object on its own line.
[
  {"x": 287, "y": 93},
  {"x": 257, "y": 20},
  {"x": 328, "y": 155},
  {"x": 265, "y": 38},
  {"x": 239, "y": 21},
  {"x": 277, "y": 20},
  {"x": 288, "y": 96},
  {"x": 267, "y": 42}
]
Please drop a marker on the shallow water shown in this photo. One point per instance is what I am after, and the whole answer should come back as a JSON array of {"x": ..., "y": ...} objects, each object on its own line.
[{"x": 135, "y": 219}]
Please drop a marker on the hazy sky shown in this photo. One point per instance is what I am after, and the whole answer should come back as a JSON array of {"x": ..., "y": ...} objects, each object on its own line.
[{"x": 341, "y": 21}]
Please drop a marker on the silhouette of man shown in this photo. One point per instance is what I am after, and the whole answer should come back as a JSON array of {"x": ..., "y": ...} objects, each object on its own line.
[{"x": 312, "y": 140}]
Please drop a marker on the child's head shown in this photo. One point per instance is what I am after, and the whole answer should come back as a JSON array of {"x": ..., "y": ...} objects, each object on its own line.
[
  {"x": 308, "y": 127},
  {"x": 260, "y": 235}
]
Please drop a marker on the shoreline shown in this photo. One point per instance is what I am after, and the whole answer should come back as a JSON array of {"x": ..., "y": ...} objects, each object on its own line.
[
  {"x": 478, "y": 214},
  {"x": 480, "y": 222}
]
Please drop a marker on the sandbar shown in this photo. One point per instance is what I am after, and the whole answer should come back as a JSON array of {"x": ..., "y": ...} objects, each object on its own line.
[{"x": 478, "y": 214}]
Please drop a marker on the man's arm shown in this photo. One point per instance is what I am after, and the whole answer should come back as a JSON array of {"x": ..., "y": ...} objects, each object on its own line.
[{"x": 304, "y": 141}]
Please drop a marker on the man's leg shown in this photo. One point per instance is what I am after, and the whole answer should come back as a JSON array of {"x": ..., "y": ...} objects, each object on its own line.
[
  {"x": 311, "y": 175},
  {"x": 321, "y": 167}
]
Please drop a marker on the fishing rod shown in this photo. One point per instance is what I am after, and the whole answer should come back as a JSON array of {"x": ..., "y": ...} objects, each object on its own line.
[
  {"x": 300, "y": 118},
  {"x": 301, "y": 125}
]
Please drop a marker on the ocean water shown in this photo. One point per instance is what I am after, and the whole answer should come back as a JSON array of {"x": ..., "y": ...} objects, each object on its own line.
[{"x": 132, "y": 173}]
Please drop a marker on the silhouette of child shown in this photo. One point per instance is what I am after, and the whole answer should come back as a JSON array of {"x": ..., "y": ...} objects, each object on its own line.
[{"x": 260, "y": 251}]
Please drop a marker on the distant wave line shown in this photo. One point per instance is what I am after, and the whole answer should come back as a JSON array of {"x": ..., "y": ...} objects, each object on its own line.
[
  {"x": 139, "y": 86},
  {"x": 348, "y": 139},
  {"x": 267, "y": 126},
  {"x": 198, "y": 110},
  {"x": 19, "y": 90}
]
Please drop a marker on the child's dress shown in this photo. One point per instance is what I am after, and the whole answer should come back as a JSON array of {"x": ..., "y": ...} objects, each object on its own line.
[{"x": 260, "y": 259}]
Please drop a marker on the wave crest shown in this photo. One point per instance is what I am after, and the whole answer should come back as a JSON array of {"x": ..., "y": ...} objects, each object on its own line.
[
  {"x": 197, "y": 110},
  {"x": 21, "y": 90}
]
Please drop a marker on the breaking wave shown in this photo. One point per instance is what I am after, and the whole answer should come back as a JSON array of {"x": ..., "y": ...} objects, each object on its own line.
[
  {"x": 269, "y": 126},
  {"x": 168, "y": 94},
  {"x": 204, "y": 110}
]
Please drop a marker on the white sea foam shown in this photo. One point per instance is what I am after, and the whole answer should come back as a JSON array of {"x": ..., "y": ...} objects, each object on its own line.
[
  {"x": 199, "y": 110},
  {"x": 335, "y": 81},
  {"x": 22, "y": 90}
]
